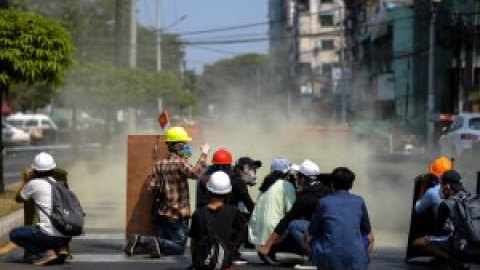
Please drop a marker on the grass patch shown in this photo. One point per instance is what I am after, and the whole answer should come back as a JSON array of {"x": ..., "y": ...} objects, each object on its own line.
[{"x": 8, "y": 204}]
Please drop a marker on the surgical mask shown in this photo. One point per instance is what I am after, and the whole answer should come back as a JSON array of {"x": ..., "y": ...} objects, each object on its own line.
[
  {"x": 250, "y": 178},
  {"x": 186, "y": 152}
]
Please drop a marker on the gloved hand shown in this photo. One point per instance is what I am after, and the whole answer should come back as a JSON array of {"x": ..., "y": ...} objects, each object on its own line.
[{"x": 205, "y": 148}]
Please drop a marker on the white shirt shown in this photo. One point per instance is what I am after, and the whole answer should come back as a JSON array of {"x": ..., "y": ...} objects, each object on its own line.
[{"x": 41, "y": 192}]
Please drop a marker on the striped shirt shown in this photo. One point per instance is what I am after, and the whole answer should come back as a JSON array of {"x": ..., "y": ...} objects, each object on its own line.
[{"x": 175, "y": 171}]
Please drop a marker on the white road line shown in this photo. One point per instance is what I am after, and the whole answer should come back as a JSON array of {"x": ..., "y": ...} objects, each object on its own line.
[
  {"x": 102, "y": 236},
  {"x": 123, "y": 258}
]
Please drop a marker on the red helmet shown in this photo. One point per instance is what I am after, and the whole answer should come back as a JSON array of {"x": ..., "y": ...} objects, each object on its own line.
[{"x": 222, "y": 156}]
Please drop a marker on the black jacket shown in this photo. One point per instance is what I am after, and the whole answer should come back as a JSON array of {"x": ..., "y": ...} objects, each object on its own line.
[{"x": 304, "y": 206}]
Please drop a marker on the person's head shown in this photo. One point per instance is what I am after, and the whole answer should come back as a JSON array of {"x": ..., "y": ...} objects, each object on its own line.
[
  {"x": 246, "y": 167},
  {"x": 451, "y": 183},
  {"x": 440, "y": 166},
  {"x": 43, "y": 164},
  {"x": 307, "y": 173},
  {"x": 342, "y": 178},
  {"x": 177, "y": 140},
  {"x": 219, "y": 185},
  {"x": 222, "y": 160}
]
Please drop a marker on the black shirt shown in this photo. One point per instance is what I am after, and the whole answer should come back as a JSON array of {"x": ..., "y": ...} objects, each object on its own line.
[
  {"x": 225, "y": 220},
  {"x": 303, "y": 207}
]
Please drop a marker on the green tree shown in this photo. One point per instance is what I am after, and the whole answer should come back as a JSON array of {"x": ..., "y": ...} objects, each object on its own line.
[
  {"x": 238, "y": 81},
  {"x": 33, "y": 50}
]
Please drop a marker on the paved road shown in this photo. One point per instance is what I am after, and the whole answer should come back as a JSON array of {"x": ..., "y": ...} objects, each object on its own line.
[{"x": 103, "y": 251}]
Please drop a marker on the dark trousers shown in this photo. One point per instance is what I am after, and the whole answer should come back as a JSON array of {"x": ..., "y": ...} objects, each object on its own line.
[
  {"x": 32, "y": 239},
  {"x": 172, "y": 236}
]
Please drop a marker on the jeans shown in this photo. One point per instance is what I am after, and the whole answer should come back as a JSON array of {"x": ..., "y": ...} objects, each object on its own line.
[
  {"x": 34, "y": 240},
  {"x": 297, "y": 229},
  {"x": 172, "y": 236}
]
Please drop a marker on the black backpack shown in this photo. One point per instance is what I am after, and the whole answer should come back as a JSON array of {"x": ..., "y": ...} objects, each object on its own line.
[
  {"x": 67, "y": 213},
  {"x": 212, "y": 253},
  {"x": 465, "y": 214}
]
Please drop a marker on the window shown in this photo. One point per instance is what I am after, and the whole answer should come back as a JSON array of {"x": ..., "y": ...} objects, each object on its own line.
[
  {"x": 474, "y": 123},
  {"x": 46, "y": 124},
  {"x": 326, "y": 1},
  {"x": 31, "y": 123},
  {"x": 326, "y": 68},
  {"x": 326, "y": 20},
  {"x": 328, "y": 44}
]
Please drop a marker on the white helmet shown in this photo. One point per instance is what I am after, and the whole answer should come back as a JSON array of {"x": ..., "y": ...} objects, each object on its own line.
[
  {"x": 308, "y": 168},
  {"x": 219, "y": 183},
  {"x": 43, "y": 162}
]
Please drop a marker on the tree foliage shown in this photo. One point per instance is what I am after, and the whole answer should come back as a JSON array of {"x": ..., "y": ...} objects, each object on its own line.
[
  {"x": 34, "y": 49},
  {"x": 242, "y": 78},
  {"x": 97, "y": 86}
]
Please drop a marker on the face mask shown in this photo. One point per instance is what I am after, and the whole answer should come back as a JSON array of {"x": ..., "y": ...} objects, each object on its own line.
[
  {"x": 250, "y": 178},
  {"x": 186, "y": 152}
]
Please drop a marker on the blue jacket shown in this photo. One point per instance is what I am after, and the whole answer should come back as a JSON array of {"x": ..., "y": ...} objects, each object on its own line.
[{"x": 338, "y": 223}]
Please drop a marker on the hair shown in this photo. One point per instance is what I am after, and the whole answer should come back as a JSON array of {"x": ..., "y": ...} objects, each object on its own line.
[
  {"x": 218, "y": 196},
  {"x": 431, "y": 179},
  {"x": 270, "y": 179},
  {"x": 41, "y": 174},
  {"x": 342, "y": 178}
]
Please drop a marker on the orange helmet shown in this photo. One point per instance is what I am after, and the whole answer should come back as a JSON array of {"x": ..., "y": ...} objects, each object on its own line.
[
  {"x": 440, "y": 165},
  {"x": 222, "y": 156}
]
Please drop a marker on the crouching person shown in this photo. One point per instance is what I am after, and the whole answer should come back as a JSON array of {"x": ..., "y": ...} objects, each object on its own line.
[
  {"x": 448, "y": 245},
  {"x": 42, "y": 240},
  {"x": 213, "y": 225},
  {"x": 339, "y": 224}
]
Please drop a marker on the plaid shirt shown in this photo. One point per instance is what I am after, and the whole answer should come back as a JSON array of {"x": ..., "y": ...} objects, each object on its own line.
[{"x": 175, "y": 171}]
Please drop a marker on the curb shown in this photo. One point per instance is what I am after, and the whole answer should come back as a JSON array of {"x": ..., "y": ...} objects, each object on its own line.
[{"x": 8, "y": 223}]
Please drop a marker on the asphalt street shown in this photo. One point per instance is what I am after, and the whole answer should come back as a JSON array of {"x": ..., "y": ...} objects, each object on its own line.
[{"x": 104, "y": 251}]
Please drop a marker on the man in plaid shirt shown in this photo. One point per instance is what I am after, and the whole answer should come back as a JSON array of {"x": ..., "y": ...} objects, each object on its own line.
[{"x": 171, "y": 176}]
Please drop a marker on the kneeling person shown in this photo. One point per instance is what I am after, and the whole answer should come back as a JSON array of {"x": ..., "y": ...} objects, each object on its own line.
[
  {"x": 43, "y": 238},
  {"x": 222, "y": 218}
]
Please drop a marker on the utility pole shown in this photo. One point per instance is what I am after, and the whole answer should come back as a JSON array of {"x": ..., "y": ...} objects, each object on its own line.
[
  {"x": 119, "y": 20},
  {"x": 133, "y": 34},
  {"x": 431, "y": 81},
  {"x": 131, "y": 122},
  {"x": 469, "y": 49},
  {"x": 342, "y": 63},
  {"x": 158, "y": 32}
]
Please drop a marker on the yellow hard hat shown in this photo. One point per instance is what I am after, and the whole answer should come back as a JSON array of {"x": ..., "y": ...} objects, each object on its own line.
[
  {"x": 440, "y": 165},
  {"x": 177, "y": 134}
]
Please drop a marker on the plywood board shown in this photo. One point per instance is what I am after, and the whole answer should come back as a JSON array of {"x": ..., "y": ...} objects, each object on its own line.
[{"x": 143, "y": 151}]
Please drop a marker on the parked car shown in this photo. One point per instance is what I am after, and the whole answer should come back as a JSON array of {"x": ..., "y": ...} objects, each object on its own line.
[
  {"x": 461, "y": 135},
  {"x": 39, "y": 126},
  {"x": 12, "y": 135}
]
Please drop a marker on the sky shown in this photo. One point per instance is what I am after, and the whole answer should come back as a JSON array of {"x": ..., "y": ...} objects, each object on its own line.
[{"x": 186, "y": 16}]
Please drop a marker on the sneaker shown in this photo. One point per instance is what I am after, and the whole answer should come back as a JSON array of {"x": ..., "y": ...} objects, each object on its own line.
[
  {"x": 268, "y": 259},
  {"x": 49, "y": 258},
  {"x": 155, "y": 253},
  {"x": 458, "y": 266},
  {"x": 238, "y": 260},
  {"x": 132, "y": 242},
  {"x": 62, "y": 255},
  {"x": 305, "y": 266}
]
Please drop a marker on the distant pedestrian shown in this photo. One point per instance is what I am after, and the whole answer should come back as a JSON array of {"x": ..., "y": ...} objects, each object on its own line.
[
  {"x": 338, "y": 225},
  {"x": 169, "y": 178},
  {"x": 224, "y": 219},
  {"x": 43, "y": 239}
]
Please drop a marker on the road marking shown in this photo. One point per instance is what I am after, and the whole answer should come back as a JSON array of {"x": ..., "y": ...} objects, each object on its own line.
[
  {"x": 102, "y": 236},
  {"x": 7, "y": 248},
  {"x": 124, "y": 258}
]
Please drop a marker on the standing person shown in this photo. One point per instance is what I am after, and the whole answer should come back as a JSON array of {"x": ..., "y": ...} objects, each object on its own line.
[
  {"x": 297, "y": 219},
  {"x": 224, "y": 218},
  {"x": 173, "y": 173},
  {"x": 338, "y": 223},
  {"x": 43, "y": 238},
  {"x": 276, "y": 197},
  {"x": 221, "y": 161}
]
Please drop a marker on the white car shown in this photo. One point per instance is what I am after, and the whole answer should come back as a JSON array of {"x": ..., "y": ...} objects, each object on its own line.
[
  {"x": 461, "y": 135},
  {"x": 12, "y": 135}
]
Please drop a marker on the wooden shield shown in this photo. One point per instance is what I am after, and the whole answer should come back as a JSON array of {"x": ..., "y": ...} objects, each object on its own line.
[{"x": 143, "y": 152}]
